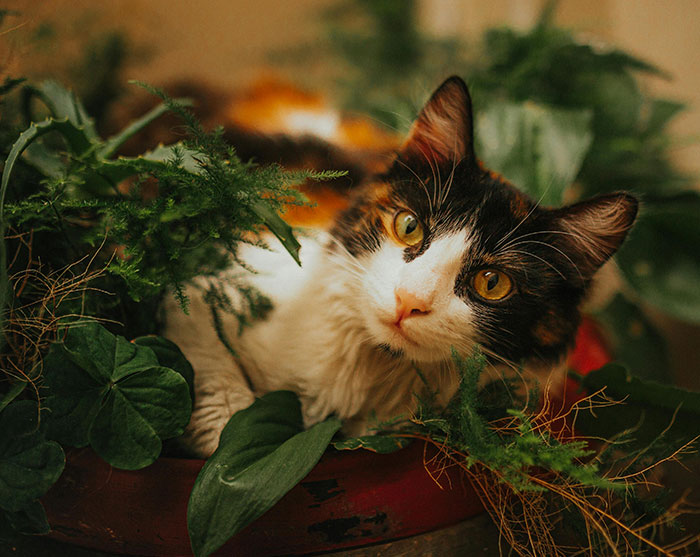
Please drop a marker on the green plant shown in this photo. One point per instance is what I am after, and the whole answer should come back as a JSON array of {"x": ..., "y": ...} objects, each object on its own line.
[{"x": 93, "y": 234}]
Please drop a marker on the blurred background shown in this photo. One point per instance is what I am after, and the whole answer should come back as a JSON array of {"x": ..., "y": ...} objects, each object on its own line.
[{"x": 621, "y": 76}]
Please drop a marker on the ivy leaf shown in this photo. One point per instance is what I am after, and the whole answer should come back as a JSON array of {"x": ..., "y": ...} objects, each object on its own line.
[
  {"x": 652, "y": 411},
  {"x": 262, "y": 454},
  {"x": 382, "y": 444},
  {"x": 29, "y": 464},
  {"x": 661, "y": 259},
  {"x": 169, "y": 355},
  {"x": 539, "y": 149},
  {"x": 114, "y": 395}
]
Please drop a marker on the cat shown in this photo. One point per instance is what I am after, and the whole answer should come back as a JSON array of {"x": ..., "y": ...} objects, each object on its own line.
[{"x": 435, "y": 253}]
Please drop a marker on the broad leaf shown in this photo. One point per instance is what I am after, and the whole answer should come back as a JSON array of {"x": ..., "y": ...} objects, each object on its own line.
[
  {"x": 538, "y": 149},
  {"x": 29, "y": 464},
  {"x": 262, "y": 454},
  {"x": 661, "y": 258},
  {"x": 382, "y": 444},
  {"x": 169, "y": 355},
  {"x": 114, "y": 395},
  {"x": 651, "y": 410}
]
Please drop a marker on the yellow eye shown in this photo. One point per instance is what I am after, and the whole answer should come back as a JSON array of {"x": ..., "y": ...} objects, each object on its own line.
[
  {"x": 491, "y": 284},
  {"x": 407, "y": 228}
]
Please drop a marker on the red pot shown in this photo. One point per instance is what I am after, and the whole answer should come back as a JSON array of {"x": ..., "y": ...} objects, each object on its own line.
[{"x": 350, "y": 499}]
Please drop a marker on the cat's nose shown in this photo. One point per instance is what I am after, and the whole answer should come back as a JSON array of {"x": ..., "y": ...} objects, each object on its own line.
[{"x": 410, "y": 304}]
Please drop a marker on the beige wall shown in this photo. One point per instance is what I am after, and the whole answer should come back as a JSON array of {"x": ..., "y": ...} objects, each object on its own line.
[{"x": 227, "y": 40}]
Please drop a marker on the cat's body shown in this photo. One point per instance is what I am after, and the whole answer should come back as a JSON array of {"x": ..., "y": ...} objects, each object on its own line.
[{"x": 435, "y": 254}]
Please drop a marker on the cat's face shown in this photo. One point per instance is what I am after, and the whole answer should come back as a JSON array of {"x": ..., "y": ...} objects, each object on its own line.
[{"x": 442, "y": 253}]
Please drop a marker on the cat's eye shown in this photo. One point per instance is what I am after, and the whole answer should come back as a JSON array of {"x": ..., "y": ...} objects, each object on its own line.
[
  {"x": 408, "y": 228},
  {"x": 492, "y": 284}
]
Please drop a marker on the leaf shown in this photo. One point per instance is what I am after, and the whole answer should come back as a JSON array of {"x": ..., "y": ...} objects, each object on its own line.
[
  {"x": 279, "y": 228},
  {"x": 111, "y": 145},
  {"x": 12, "y": 393},
  {"x": 29, "y": 464},
  {"x": 262, "y": 454},
  {"x": 538, "y": 149},
  {"x": 151, "y": 161},
  {"x": 139, "y": 411},
  {"x": 114, "y": 395},
  {"x": 661, "y": 259},
  {"x": 63, "y": 104},
  {"x": 636, "y": 343},
  {"x": 650, "y": 408},
  {"x": 382, "y": 444},
  {"x": 169, "y": 355},
  {"x": 29, "y": 520}
]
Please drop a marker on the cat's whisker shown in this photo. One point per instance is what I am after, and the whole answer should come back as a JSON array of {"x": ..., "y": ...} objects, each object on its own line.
[
  {"x": 541, "y": 259},
  {"x": 450, "y": 181},
  {"x": 573, "y": 264},
  {"x": 421, "y": 182}
]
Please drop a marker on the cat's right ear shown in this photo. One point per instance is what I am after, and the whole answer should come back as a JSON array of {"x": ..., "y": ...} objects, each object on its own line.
[{"x": 443, "y": 132}]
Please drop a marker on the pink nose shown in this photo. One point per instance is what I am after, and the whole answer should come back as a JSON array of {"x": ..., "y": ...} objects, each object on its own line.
[{"x": 409, "y": 304}]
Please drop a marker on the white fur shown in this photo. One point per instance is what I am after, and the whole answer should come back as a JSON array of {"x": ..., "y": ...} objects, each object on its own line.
[{"x": 321, "y": 339}]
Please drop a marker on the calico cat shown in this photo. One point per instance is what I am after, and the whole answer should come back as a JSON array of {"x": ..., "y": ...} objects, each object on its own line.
[{"x": 433, "y": 254}]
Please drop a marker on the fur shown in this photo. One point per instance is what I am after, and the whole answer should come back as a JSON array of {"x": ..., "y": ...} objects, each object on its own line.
[{"x": 349, "y": 329}]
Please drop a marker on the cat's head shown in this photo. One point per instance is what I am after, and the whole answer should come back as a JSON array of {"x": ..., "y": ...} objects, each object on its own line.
[{"x": 445, "y": 253}]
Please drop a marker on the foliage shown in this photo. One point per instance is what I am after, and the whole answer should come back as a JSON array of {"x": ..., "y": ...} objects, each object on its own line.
[
  {"x": 154, "y": 238},
  {"x": 113, "y": 395},
  {"x": 91, "y": 233},
  {"x": 263, "y": 452},
  {"x": 29, "y": 465},
  {"x": 653, "y": 412}
]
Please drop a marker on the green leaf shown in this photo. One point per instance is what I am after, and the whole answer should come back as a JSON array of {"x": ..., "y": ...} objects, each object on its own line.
[
  {"x": 139, "y": 411},
  {"x": 151, "y": 161},
  {"x": 382, "y": 444},
  {"x": 29, "y": 520},
  {"x": 12, "y": 393},
  {"x": 262, "y": 454},
  {"x": 45, "y": 161},
  {"x": 63, "y": 104},
  {"x": 169, "y": 355},
  {"x": 114, "y": 395},
  {"x": 279, "y": 228},
  {"x": 661, "y": 259},
  {"x": 636, "y": 343},
  {"x": 652, "y": 410},
  {"x": 113, "y": 143},
  {"x": 538, "y": 149},
  {"x": 29, "y": 464}
]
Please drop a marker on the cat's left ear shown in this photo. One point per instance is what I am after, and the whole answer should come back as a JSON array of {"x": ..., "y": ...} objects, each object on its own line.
[
  {"x": 592, "y": 231},
  {"x": 443, "y": 131}
]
